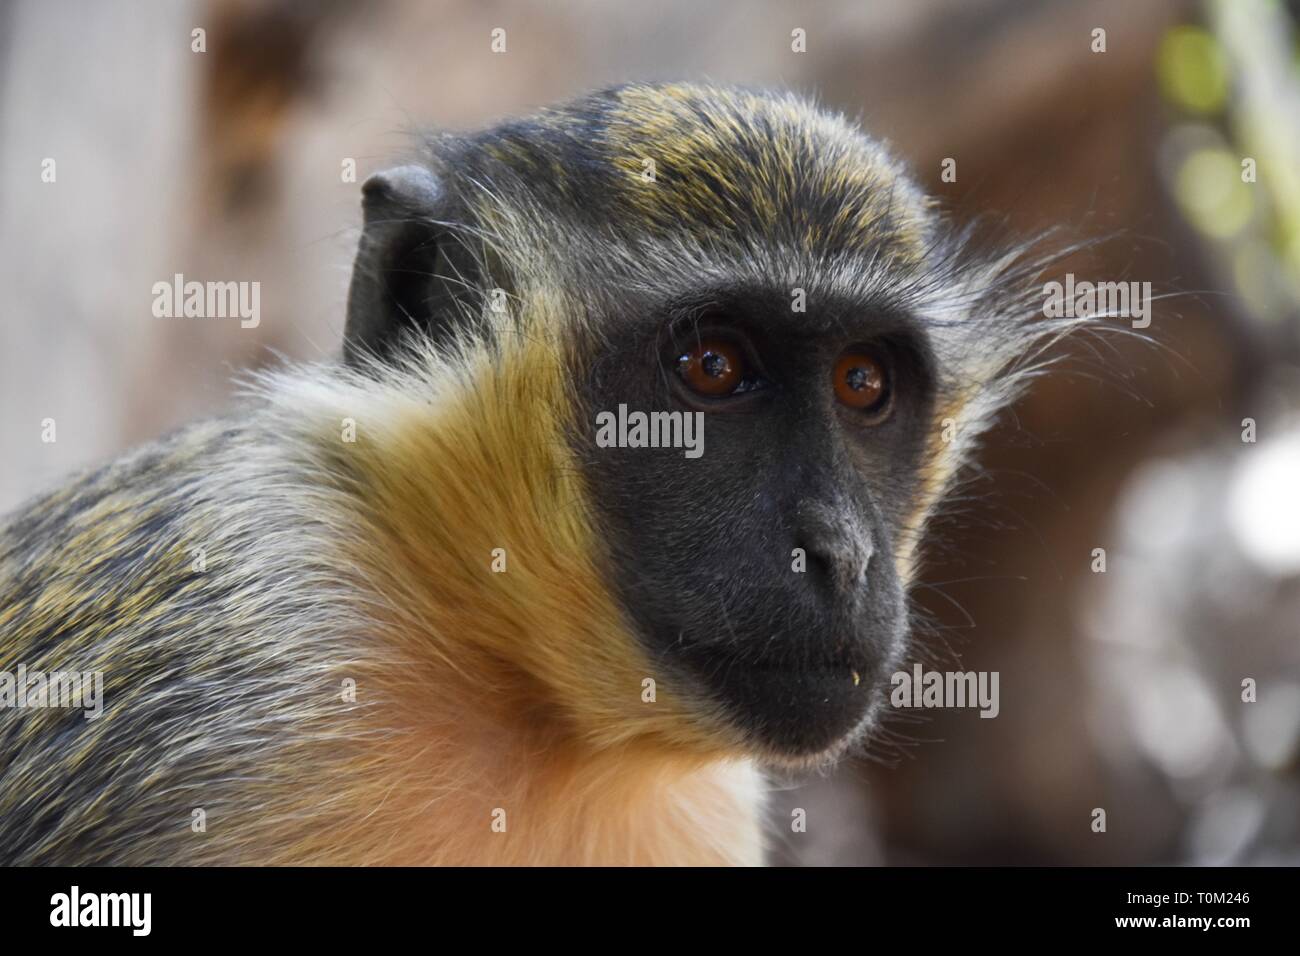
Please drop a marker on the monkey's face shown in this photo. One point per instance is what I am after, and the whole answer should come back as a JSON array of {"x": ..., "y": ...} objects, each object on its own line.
[{"x": 761, "y": 574}]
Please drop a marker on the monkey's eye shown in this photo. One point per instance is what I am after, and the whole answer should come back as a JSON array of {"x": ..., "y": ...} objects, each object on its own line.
[
  {"x": 715, "y": 368},
  {"x": 861, "y": 381}
]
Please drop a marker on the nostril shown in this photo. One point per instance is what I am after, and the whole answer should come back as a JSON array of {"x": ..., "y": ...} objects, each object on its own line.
[
  {"x": 820, "y": 566},
  {"x": 838, "y": 562}
]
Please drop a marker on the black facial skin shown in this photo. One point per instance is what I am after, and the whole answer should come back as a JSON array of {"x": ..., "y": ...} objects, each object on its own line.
[{"x": 702, "y": 548}]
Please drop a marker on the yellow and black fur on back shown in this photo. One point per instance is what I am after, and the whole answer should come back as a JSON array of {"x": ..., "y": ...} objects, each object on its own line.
[{"x": 499, "y": 589}]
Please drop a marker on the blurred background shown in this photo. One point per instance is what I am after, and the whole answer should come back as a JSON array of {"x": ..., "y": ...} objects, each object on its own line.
[{"x": 1120, "y": 690}]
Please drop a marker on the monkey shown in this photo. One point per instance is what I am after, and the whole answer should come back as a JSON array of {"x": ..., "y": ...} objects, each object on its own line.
[{"x": 400, "y": 607}]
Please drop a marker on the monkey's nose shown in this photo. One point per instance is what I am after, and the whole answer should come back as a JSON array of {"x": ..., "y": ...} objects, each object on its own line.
[{"x": 838, "y": 556}]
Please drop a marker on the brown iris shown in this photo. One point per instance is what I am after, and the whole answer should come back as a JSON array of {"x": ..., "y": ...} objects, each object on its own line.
[
  {"x": 860, "y": 382},
  {"x": 713, "y": 367}
]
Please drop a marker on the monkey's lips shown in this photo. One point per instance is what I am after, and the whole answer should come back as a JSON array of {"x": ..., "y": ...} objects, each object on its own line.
[{"x": 792, "y": 708}]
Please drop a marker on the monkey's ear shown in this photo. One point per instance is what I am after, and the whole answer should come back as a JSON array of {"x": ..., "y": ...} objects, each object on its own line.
[{"x": 411, "y": 275}]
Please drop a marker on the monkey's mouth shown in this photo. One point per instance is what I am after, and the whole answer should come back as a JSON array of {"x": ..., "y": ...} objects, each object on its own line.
[{"x": 793, "y": 708}]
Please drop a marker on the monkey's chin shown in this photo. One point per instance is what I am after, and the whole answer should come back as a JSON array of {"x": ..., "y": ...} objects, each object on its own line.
[
  {"x": 795, "y": 717},
  {"x": 825, "y": 758},
  {"x": 804, "y": 759}
]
